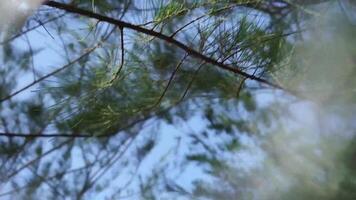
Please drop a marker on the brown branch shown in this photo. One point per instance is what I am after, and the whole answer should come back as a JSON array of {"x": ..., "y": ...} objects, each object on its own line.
[{"x": 168, "y": 39}]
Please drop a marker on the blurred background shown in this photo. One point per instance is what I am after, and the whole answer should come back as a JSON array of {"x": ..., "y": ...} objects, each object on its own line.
[{"x": 159, "y": 99}]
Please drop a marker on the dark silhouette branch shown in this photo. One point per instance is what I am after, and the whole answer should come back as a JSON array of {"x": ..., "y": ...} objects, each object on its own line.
[{"x": 117, "y": 73}]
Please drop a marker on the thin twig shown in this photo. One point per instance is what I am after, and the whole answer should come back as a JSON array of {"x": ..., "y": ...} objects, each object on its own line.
[
  {"x": 241, "y": 84},
  {"x": 191, "y": 82},
  {"x": 44, "y": 27},
  {"x": 186, "y": 25},
  {"x": 86, "y": 53},
  {"x": 14, "y": 173},
  {"x": 170, "y": 80},
  {"x": 31, "y": 29}
]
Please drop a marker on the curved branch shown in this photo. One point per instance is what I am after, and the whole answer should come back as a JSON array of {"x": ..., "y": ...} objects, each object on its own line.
[{"x": 117, "y": 73}]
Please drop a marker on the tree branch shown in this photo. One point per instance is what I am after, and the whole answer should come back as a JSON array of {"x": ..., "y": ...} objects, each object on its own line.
[{"x": 168, "y": 39}]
